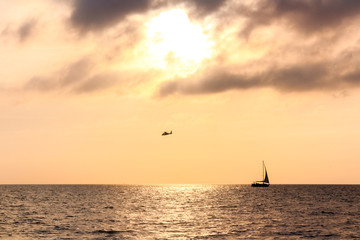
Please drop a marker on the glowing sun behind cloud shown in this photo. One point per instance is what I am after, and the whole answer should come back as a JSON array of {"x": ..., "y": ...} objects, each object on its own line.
[{"x": 175, "y": 43}]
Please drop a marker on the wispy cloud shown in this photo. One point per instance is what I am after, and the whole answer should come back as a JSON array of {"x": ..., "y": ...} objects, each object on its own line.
[
  {"x": 98, "y": 82},
  {"x": 83, "y": 77},
  {"x": 26, "y": 29},
  {"x": 65, "y": 78}
]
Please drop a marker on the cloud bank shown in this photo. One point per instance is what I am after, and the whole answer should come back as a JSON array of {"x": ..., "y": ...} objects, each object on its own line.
[
  {"x": 286, "y": 45},
  {"x": 294, "y": 78}
]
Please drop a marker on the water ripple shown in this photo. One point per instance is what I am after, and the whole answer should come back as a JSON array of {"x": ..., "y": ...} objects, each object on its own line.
[{"x": 179, "y": 212}]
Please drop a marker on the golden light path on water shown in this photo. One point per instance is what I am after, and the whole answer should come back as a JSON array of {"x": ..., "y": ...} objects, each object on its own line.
[{"x": 175, "y": 207}]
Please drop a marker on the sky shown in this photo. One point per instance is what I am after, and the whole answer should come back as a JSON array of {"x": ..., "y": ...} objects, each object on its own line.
[{"x": 87, "y": 88}]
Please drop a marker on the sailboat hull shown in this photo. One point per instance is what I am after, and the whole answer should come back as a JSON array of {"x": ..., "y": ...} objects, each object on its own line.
[{"x": 260, "y": 185}]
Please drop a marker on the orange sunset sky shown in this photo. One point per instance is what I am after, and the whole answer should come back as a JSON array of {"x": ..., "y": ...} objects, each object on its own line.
[{"x": 87, "y": 87}]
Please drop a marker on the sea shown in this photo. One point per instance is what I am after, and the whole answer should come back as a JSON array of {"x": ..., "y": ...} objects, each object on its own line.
[{"x": 179, "y": 212}]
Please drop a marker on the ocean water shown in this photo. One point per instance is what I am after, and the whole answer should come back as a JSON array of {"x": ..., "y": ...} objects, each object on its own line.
[{"x": 179, "y": 212}]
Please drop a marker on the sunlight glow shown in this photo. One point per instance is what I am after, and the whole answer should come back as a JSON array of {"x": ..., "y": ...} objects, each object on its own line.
[{"x": 177, "y": 44}]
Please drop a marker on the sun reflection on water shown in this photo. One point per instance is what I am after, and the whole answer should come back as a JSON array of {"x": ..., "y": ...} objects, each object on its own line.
[{"x": 178, "y": 209}]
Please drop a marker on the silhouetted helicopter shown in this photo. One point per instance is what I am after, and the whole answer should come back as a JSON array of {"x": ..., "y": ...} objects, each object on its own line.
[{"x": 166, "y": 133}]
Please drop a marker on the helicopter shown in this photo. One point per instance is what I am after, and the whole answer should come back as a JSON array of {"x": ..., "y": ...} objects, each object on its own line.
[{"x": 166, "y": 133}]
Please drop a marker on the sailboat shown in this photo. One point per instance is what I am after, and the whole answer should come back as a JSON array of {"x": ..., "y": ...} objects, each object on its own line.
[{"x": 263, "y": 183}]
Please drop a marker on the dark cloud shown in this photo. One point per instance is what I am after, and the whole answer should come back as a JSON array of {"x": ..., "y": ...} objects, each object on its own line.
[
  {"x": 26, "y": 29},
  {"x": 294, "y": 78},
  {"x": 305, "y": 15},
  {"x": 300, "y": 78},
  {"x": 205, "y": 7},
  {"x": 216, "y": 81},
  {"x": 96, "y": 15},
  {"x": 353, "y": 77},
  {"x": 90, "y": 15}
]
